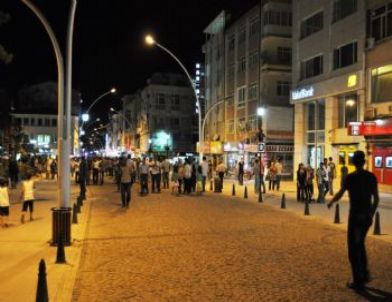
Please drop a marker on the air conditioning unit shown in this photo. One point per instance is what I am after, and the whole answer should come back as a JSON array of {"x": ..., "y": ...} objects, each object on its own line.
[{"x": 370, "y": 43}]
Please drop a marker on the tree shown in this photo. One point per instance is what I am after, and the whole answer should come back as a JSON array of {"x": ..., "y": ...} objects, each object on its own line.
[{"x": 5, "y": 56}]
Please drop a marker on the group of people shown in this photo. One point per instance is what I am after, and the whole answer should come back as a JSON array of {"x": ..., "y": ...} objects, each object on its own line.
[{"x": 325, "y": 176}]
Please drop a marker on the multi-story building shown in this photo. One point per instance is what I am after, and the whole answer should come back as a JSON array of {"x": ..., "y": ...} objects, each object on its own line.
[
  {"x": 328, "y": 79},
  {"x": 161, "y": 117},
  {"x": 377, "y": 123},
  {"x": 248, "y": 79}
]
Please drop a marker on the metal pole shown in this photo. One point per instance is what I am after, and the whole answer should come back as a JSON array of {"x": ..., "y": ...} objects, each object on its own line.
[
  {"x": 201, "y": 137},
  {"x": 60, "y": 97}
]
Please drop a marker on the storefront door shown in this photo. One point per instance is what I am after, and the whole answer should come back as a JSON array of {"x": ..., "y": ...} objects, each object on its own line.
[
  {"x": 345, "y": 154},
  {"x": 382, "y": 164}
]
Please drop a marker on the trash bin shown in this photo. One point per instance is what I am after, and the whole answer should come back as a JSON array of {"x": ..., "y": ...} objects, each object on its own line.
[
  {"x": 217, "y": 185},
  {"x": 61, "y": 225}
]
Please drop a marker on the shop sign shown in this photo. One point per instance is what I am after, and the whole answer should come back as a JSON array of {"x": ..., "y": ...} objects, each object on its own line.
[
  {"x": 261, "y": 147},
  {"x": 250, "y": 148},
  {"x": 302, "y": 93},
  {"x": 206, "y": 147},
  {"x": 370, "y": 128},
  {"x": 352, "y": 80},
  {"x": 280, "y": 148},
  {"x": 230, "y": 147},
  {"x": 216, "y": 148}
]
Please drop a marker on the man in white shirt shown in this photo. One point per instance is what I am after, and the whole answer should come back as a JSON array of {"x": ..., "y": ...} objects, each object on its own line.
[
  {"x": 204, "y": 171},
  {"x": 165, "y": 173},
  {"x": 156, "y": 176}
]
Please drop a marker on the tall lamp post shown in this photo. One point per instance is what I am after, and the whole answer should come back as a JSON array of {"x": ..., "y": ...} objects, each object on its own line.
[
  {"x": 86, "y": 114},
  {"x": 122, "y": 116},
  {"x": 61, "y": 217},
  {"x": 151, "y": 41}
]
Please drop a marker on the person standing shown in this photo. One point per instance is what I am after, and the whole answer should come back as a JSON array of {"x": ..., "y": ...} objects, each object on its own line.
[
  {"x": 241, "y": 172},
  {"x": 272, "y": 176},
  {"x": 4, "y": 203},
  {"x": 204, "y": 172},
  {"x": 96, "y": 167},
  {"x": 362, "y": 188},
  {"x": 309, "y": 183},
  {"x": 322, "y": 182},
  {"x": 256, "y": 173},
  {"x": 165, "y": 173},
  {"x": 155, "y": 175},
  {"x": 27, "y": 197},
  {"x": 301, "y": 182},
  {"x": 331, "y": 174},
  {"x": 82, "y": 177},
  {"x": 343, "y": 173},
  {"x": 187, "y": 177},
  {"x": 279, "y": 170},
  {"x": 221, "y": 170},
  {"x": 14, "y": 172},
  {"x": 181, "y": 177},
  {"x": 143, "y": 169},
  {"x": 126, "y": 182}
]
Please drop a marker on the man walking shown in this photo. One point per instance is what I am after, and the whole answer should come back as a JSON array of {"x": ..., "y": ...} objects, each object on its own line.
[
  {"x": 204, "y": 172},
  {"x": 165, "y": 173},
  {"x": 143, "y": 177},
  {"x": 241, "y": 172},
  {"x": 83, "y": 177},
  {"x": 331, "y": 174},
  {"x": 362, "y": 187}
]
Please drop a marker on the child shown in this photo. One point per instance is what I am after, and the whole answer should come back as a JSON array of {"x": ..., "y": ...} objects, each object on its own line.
[
  {"x": 4, "y": 203},
  {"x": 27, "y": 197}
]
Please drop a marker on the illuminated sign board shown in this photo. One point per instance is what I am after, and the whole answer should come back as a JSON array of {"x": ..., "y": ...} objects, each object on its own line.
[{"x": 302, "y": 93}]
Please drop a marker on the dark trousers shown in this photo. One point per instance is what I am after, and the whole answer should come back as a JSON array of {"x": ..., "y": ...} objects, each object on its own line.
[
  {"x": 277, "y": 182},
  {"x": 143, "y": 183},
  {"x": 125, "y": 193},
  {"x": 358, "y": 226},
  {"x": 180, "y": 186},
  {"x": 28, "y": 204},
  {"x": 95, "y": 176},
  {"x": 165, "y": 176},
  {"x": 241, "y": 178},
  {"x": 82, "y": 184},
  {"x": 187, "y": 185},
  {"x": 102, "y": 177},
  {"x": 156, "y": 183},
  {"x": 203, "y": 183},
  {"x": 221, "y": 177}
]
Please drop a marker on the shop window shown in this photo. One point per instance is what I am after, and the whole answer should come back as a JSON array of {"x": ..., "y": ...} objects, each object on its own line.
[
  {"x": 312, "y": 67},
  {"x": 350, "y": 158},
  {"x": 315, "y": 132},
  {"x": 343, "y": 8},
  {"x": 388, "y": 162},
  {"x": 347, "y": 110},
  {"x": 378, "y": 162},
  {"x": 381, "y": 83},
  {"x": 345, "y": 55},
  {"x": 342, "y": 158},
  {"x": 312, "y": 25}
]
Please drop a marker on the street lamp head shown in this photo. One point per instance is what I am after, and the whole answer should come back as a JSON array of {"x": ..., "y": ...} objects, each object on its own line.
[
  {"x": 98, "y": 119},
  {"x": 261, "y": 111},
  {"x": 85, "y": 117},
  {"x": 113, "y": 90},
  {"x": 149, "y": 40},
  {"x": 112, "y": 109}
]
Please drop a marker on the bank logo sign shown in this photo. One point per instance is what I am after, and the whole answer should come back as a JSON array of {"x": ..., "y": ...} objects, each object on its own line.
[{"x": 302, "y": 93}]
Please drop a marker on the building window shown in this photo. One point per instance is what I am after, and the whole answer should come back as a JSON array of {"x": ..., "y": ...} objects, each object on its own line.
[
  {"x": 242, "y": 65},
  {"x": 175, "y": 102},
  {"x": 175, "y": 123},
  {"x": 242, "y": 36},
  {"x": 40, "y": 122},
  {"x": 160, "y": 101},
  {"x": 230, "y": 71},
  {"x": 381, "y": 84},
  {"x": 47, "y": 122},
  {"x": 312, "y": 67},
  {"x": 252, "y": 92},
  {"x": 254, "y": 27},
  {"x": 231, "y": 42},
  {"x": 312, "y": 25},
  {"x": 343, "y": 8},
  {"x": 32, "y": 121},
  {"x": 381, "y": 22},
  {"x": 315, "y": 132},
  {"x": 253, "y": 59},
  {"x": 283, "y": 88},
  {"x": 280, "y": 18},
  {"x": 54, "y": 122},
  {"x": 345, "y": 55},
  {"x": 241, "y": 125},
  {"x": 252, "y": 125},
  {"x": 230, "y": 126},
  {"x": 348, "y": 110},
  {"x": 25, "y": 121},
  {"x": 241, "y": 96},
  {"x": 284, "y": 55},
  {"x": 43, "y": 139}
]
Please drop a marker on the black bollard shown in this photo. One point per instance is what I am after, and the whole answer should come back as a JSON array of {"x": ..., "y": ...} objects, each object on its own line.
[
  {"x": 307, "y": 211},
  {"x": 60, "y": 258},
  {"x": 377, "y": 225},
  {"x": 74, "y": 215},
  {"x": 77, "y": 208},
  {"x": 80, "y": 201},
  {"x": 211, "y": 185},
  {"x": 233, "y": 191},
  {"x": 246, "y": 193},
  {"x": 42, "y": 287},
  {"x": 283, "y": 201},
  {"x": 337, "y": 214},
  {"x": 260, "y": 196}
]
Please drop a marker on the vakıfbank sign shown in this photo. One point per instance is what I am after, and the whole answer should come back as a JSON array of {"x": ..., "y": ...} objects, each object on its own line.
[{"x": 302, "y": 93}]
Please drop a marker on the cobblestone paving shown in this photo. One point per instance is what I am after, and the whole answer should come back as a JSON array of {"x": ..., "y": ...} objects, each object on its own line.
[{"x": 215, "y": 248}]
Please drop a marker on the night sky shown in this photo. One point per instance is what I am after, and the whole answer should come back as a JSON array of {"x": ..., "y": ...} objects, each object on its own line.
[{"x": 109, "y": 48}]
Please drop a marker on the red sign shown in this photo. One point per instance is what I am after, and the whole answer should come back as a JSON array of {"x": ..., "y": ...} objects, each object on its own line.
[{"x": 371, "y": 128}]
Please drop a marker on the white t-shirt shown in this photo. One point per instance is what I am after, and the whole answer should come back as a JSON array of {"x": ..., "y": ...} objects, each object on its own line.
[
  {"x": 204, "y": 168},
  {"x": 28, "y": 189},
  {"x": 4, "y": 197}
]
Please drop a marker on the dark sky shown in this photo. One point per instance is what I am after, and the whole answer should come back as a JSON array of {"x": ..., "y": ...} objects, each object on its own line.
[{"x": 108, "y": 41}]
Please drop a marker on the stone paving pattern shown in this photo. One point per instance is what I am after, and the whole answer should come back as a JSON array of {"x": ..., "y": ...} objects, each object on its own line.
[{"x": 215, "y": 248}]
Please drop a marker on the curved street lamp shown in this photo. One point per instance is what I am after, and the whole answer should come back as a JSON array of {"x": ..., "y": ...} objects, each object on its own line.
[
  {"x": 85, "y": 115},
  {"x": 149, "y": 39}
]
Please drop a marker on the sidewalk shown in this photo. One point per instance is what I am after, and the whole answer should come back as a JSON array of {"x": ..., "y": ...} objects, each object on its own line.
[
  {"x": 24, "y": 245},
  {"x": 317, "y": 211}
]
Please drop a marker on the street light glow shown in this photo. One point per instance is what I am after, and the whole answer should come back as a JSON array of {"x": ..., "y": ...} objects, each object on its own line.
[
  {"x": 113, "y": 90},
  {"x": 85, "y": 117},
  {"x": 149, "y": 40},
  {"x": 261, "y": 111}
]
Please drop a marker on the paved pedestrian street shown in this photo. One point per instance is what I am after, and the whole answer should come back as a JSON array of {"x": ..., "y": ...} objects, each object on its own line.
[{"x": 216, "y": 248}]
